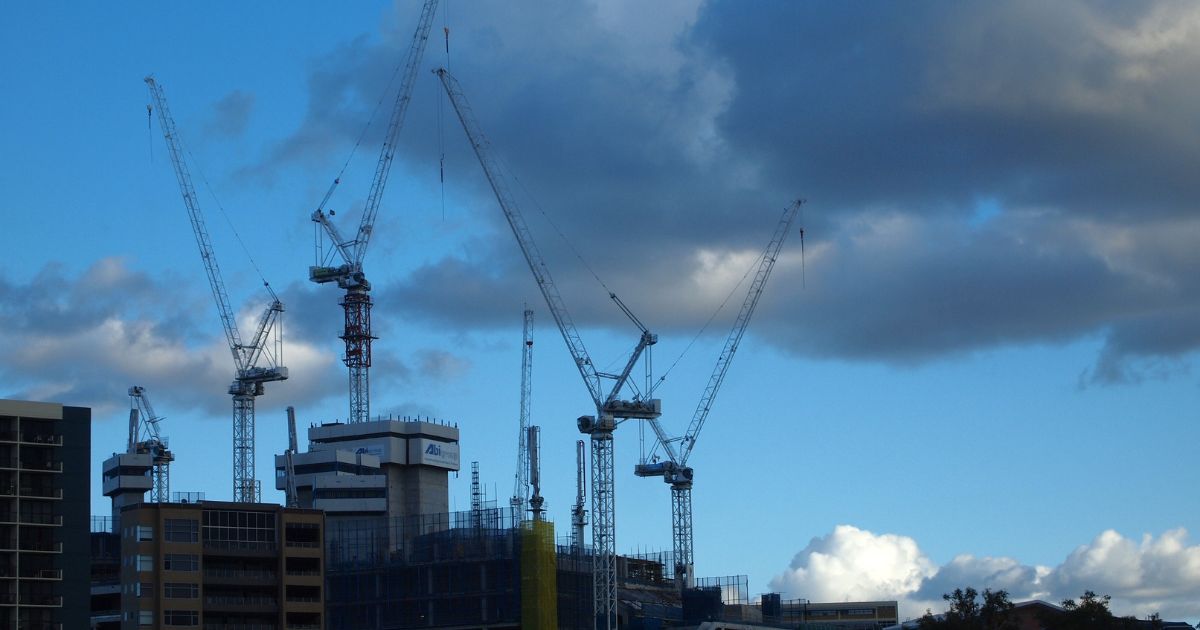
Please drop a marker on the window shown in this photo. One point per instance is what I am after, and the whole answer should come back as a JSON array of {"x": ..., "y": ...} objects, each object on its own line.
[
  {"x": 145, "y": 617},
  {"x": 175, "y": 590},
  {"x": 183, "y": 530},
  {"x": 181, "y": 617},
  {"x": 145, "y": 533},
  {"x": 239, "y": 529},
  {"x": 145, "y": 563},
  {"x": 181, "y": 562},
  {"x": 145, "y": 589}
]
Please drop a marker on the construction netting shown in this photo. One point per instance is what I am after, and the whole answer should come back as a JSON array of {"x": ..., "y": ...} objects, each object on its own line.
[{"x": 539, "y": 587}]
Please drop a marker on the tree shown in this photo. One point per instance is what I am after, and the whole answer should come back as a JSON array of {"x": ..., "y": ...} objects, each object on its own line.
[
  {"x": 968, "y": 613},
  {"x": 1089, "y": 613}
]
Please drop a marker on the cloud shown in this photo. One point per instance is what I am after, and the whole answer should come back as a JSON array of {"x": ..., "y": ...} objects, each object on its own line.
[
  {"x": 852, "y": 564},
  {"x": 1071, "y": 124},
  {"x": 1157, "y": 574},
  {"x": 231, "y": 114},
  {"x": 84, "y": 339}
]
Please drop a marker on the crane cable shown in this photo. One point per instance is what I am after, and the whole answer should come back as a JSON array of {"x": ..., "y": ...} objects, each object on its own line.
[
  {"x": 212, "y": 193},
  {"x": 361, "y": 136}
]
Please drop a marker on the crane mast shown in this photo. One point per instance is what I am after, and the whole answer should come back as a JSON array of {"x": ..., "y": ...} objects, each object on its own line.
[
  {"x": 535, "y": 472},
  {"x": 608, "y": 406},
  {"x": 250, "y": 377},
  {"x": 293, "y": 500},
  {"x": 349, "y": 275},
  {"x": 578, "y": 511},
  {"x": 675, "y": 470},
  {"x": 521, "y": 485}
]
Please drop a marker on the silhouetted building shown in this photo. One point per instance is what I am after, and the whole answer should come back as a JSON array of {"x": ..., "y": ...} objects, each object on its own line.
[{"x": 45, "y": 456}]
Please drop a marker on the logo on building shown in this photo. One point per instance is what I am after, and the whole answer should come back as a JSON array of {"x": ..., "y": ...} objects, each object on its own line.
[{"x": 433, "y": 449}]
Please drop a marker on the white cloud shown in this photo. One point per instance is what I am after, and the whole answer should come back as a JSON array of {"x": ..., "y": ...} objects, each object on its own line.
[
  {"x": 852, "y": 564},
  {"x": 1158, "y": 574}
]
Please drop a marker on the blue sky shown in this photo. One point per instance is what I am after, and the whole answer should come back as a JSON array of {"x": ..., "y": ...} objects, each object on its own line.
[{"x": 983, "y": 375}]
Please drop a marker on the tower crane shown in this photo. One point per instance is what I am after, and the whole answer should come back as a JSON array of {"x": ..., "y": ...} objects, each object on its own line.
[
  {"x": 349, "y": 274},
  {"x": 250, "y": 376},
  {"x": 152, "y": 443},
  {"x": 521, "y": 486},
  {"x": 609, "y": 407},
  {"x": 675, "y": 470}
]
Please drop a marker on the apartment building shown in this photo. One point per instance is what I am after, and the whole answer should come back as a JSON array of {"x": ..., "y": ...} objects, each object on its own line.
[
  {"x": 209, "y": 564},
  {"x": 45, "y": 476}
]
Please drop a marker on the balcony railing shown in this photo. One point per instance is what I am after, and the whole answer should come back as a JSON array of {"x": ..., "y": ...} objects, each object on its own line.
[
  {"x": 41, "y": 438},
  {"x": 303, "y": 572},
  {"x": 42, "y": 493},
  {"x": 31, "y": 545},
  {"x": 40, "y": 519},
  {"x": 240, "y": 600},
  {"x": 41, "y": 466},
  {"x": 42, "y": 574},
  {"x": 250, "y": 574},
  {"x": 311, "y": 544}
]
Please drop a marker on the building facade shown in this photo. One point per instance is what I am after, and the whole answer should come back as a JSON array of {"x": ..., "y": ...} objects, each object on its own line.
[
  {"x": 222, "y": 565},
  {"x": 45, "y": 450}
]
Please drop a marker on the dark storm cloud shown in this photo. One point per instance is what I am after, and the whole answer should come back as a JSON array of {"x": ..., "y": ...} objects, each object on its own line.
[{"x": 979, "y": 175}]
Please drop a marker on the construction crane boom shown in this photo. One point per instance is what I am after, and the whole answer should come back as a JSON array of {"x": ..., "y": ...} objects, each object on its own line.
[
  {"x": 249, "y": 379},
  {"x": 675, "y": 470},
  {"x": 608, "y": 405},
  {"x": 349, "y": 275}
]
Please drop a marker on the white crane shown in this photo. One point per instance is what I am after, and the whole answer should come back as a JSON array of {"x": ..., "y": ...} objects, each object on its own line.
[
  {"x": 520, "y": 495},
  {"x": 249, "y": 378},
  {"x": 675, "y": 470},
  {"x": 144, "y": 437},
  {"x": 349, "y": 274},
  {"x": 608, "y": 406}
]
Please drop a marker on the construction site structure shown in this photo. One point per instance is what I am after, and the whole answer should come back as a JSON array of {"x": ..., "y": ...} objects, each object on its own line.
[
  {"x": 578, "y": 511},
  {"x": 536, "y": 501},
  {"x": 145, "y": 464},
  {"x": 373, "y": 471},
  {"x": 608, "y": 405},
  {"x": 293, "y": 497},
  {"x": 349, "y": 275},
  {"x": 520, "y": 498},
  {"x": 250, "y": 376},
  {"x": 674, "y": 470}
]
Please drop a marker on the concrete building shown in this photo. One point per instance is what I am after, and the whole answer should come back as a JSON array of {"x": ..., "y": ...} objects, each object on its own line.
[
  {"x": 45, "y": 455},
  {"x": 371, "y": 473},
  {"x": 222, "y": 565}
]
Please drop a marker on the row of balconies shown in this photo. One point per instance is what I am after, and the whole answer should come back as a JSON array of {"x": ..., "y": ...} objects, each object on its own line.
[
  {"x": 14, "y": 463},
  {"x": 30, "y": 518},
  {"x": 11, "y": 490},
  {"x": 50, "y": 601},
  {"x": 8, "y": 572},
  {"x": 46, "y": 439}
]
